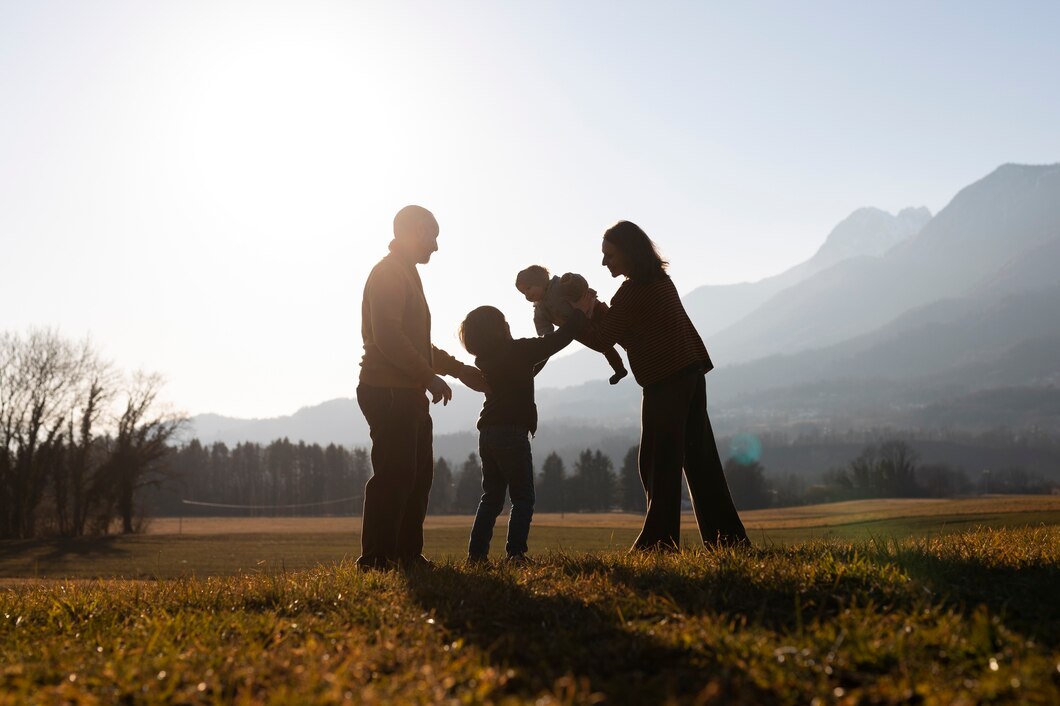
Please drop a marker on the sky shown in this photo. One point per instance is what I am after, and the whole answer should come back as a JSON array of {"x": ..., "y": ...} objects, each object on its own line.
[{"x": 202, "y": 187}]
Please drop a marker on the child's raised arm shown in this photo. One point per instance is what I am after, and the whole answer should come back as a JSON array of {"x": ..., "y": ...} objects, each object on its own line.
[{"x": 538, "y": 350}]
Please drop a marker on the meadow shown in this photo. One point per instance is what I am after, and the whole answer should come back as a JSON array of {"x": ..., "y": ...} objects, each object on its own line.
[
  {"x": 873, "y": 602},
  {"x": 205, "y": 546}
]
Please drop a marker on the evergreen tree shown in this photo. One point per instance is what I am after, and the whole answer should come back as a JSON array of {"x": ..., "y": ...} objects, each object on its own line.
[
  {"x": 281, "y": 473},
  {"x": 469, "y": 486},
  {"x": 338, "y": 481},
  {"x": 632, "y": 488},
  {"x": 790, "y": 490},
  {"x": 606, "y": 482},
  {"x": 551, "y": 492},
  {"x": 748, "y": 485},
  {"x": 361, "y": 471},
  {"x": 593, "y": 483},
  {"x": 442, "y": 490}
]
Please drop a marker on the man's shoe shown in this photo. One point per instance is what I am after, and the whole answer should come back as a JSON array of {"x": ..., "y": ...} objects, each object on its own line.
[
  {"x": 416, "y": 562},
  {"x": 478, "y": 560},
  {"x": 518, "y": 559},
  {"x": 374, "y": 563}
]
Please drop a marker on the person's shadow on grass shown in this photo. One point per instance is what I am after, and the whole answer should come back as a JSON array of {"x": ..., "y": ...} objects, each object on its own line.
[
  {"x": 52, "y": 549},
  {"x": 55, "y": 556},
  {"x": 547, "y": 638},
  {"x": 1022, "y": 597}
]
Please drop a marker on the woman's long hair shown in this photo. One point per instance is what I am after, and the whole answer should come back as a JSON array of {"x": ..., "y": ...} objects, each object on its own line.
[{"x": 639, "y": 250}]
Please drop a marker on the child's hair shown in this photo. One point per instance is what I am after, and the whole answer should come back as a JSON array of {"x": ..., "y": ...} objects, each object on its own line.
[
  {"x": 534, "y": 274},
  {"x": 482, "y": 328}
]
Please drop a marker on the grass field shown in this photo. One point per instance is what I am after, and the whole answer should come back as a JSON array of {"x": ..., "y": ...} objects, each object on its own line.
[
  {"x": 217, "y": 546},
  {"x": 923, "y": 611}
]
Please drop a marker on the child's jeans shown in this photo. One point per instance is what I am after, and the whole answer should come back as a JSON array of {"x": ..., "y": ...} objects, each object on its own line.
[{"x": 506, "y": 466}]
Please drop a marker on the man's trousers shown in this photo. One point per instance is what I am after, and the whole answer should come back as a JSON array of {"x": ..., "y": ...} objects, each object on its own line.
[{"x": 395, "y": 498}]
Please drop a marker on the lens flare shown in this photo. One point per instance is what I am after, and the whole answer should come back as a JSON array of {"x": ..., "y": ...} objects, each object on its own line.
[{"x": 745, "y": 449}]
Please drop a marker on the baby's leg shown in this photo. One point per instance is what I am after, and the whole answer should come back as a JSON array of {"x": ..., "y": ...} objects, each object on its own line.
[
  {"x": 615, "y": 361},
  {"x": 590, "y": 338},
  {"x": 613, "y": 358}
]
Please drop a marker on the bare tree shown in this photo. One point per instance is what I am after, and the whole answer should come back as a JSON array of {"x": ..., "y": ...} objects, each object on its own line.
[
  {"x": 38, "y": 376},
  {"x": 140, "y": 445},
  {"x": 897, "y": 469},
  {"x": 79, "y": 486}
]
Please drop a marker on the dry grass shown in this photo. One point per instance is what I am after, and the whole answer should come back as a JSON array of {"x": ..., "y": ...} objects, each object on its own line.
[
  {"x": 805, "y": 517},
  {"x": 231, "y": 546},
  {"x": 966, "y": 618}
]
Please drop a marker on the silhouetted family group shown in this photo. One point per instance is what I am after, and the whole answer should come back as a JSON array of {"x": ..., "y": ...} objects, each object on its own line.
[{"x": 646, "y": 318}]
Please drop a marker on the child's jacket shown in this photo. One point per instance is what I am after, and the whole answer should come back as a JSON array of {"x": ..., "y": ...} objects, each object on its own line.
[
  {"x": 510, "y": 368},
  {"x": 556, "y": 307}
]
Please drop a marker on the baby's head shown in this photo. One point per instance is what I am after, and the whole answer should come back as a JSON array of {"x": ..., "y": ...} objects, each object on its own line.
[
  {"x": 532, "y": 283},
  {"x": 482, "y": 329}
]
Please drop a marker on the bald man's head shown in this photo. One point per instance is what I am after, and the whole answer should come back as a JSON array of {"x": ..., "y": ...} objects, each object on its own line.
[{"x": 416, "y": 233}]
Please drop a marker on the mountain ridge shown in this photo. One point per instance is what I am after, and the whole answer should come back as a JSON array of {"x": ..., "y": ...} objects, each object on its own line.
[
  {"x": 866, "y": 232},
  {"x": 964, "y": 309}
]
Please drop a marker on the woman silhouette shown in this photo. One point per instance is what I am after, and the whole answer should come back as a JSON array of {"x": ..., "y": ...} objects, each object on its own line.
[{"x": 669, "y": 360}]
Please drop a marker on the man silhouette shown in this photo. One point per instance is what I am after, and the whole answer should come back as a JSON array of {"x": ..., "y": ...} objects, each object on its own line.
[{"x": 399, "y": 364}]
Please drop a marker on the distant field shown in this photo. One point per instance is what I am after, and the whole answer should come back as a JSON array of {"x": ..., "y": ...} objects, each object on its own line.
[{"x": 175, "y": 547}]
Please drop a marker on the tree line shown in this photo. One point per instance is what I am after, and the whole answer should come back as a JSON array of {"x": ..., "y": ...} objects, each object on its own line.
[
  {"x": 87, "y": 449},
  {"x": 287, "y": 478},
  {"x": 263, "y": 480},
  {"x": 890, "y": 469},
  {"x": 79, "y": 439},
  {"x": 593, "y": 484}
]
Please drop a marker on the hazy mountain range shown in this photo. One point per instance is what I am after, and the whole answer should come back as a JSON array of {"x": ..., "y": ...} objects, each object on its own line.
[
  {"x": 867, "y": 232},
  {"x": 906, "y": 319}
]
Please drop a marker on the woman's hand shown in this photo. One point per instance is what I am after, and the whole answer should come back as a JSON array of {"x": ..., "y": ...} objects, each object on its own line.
[{"x": 587, "y": 303}]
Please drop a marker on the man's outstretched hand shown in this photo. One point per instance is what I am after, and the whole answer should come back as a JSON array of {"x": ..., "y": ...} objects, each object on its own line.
[
  {"x": 440, "y": 390},
  {"x": 473, "y": 378}
]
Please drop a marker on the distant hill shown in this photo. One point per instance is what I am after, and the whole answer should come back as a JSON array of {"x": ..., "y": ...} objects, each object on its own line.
[
  {"x": 963, "y": 342},
  {"x": 867, "y": 232},
  {"x": 989, "y": 224},
  {"x": 339, "y": 421},
  {"x": 336, "y": 421},
  {"x": 594, "y": 411}
]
